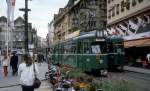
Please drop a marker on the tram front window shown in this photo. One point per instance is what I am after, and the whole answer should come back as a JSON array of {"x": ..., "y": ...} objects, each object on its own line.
[
  {"x": 118, "y": 48},
  {"x": 96, "y": 49}
]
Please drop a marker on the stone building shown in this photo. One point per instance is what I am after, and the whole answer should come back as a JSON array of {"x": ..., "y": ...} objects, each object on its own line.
[
  {"x": 50, "y": 34},
  {"x": 79, "y": 17},
  {"x": 17, "y": 36}
]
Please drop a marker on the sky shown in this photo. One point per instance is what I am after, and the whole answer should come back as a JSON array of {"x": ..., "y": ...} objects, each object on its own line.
[{"x": 41, "y": 14}]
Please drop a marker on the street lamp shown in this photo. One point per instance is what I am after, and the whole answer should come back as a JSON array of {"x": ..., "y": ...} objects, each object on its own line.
[{"x": 26, "y": 10}]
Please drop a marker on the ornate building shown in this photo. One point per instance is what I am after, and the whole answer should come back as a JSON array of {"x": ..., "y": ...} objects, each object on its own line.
[
  {"x": 17, "y": 36},
  {"x": 79, "y": 17}
]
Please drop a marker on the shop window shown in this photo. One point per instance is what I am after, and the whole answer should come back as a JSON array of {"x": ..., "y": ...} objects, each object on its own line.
[
  {"x": 140, "y": 1},
  {"x": 117, "y": 9},
  {"x": 122, "y": 6},
  {"x": 127, "y": 4},
  {"x": 133, "y": 2}
]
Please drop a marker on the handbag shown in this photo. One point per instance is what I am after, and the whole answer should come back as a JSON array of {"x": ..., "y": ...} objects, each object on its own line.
[{"x": 37, "y": 82}]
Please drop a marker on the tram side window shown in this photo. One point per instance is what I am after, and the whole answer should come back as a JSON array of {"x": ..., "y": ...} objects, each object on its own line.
[
  {"x": 80, "y": 47},
  {"x": 86, "y": 47},
  {"x": 73, "y": 49},
  {"x": 118, "y": 48},
  {"x": 110, "y": 47}
]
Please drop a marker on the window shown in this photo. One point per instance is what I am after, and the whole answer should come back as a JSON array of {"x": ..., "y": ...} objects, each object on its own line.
[
  {"x": 113, "y": 11},
  {"x": 127, "y": 4},
  {"x": 140, "y": 1},
  {"x": 122, "y": 6},
  {"x": 92, "y": 2},
  {"x": 92, "y": 23},
  {"x": 96, "y": 49},
  {"x": 109, "y": 14},
  {"x": 108, "y": 1},
  {"x": 117, "y": 10},
  {"x": 133, "y": 2}
]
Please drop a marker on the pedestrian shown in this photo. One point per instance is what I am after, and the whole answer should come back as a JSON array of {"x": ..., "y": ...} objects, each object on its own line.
[
  {"x": 5, "y": 62},
  {"x": 14, "y": 64},
  {"x": 148, "y": 57},
  {"x": 27, "y": 73}
]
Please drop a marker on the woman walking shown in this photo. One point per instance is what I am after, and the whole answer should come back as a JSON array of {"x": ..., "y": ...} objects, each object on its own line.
[
  {"x": 5, "y": 61},
  {"x": 27, "y": 73}
]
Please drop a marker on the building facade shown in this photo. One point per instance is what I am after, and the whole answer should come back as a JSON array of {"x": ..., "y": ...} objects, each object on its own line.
[
  {"x": 3, "y": 24},
  {"x": 50, "y": 35},
  {"x": 130, "y": 19},
  {"x": 127, "y": 17},
  {"x": 79, "y": 17},
  {"x": 17, "y": 36}
]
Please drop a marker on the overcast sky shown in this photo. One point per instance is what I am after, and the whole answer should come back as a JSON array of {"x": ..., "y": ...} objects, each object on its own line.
[{"x": 41, "y": 14}]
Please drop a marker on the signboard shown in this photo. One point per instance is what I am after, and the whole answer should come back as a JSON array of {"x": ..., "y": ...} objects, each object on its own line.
[
  {"x": 137, "y": 36},
  {"x": 31, "y": 46},
  {"x": 72, "y": 35}
]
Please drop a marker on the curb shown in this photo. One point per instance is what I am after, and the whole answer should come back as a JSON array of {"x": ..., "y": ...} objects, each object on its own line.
[{"x": 138, "y": 70}]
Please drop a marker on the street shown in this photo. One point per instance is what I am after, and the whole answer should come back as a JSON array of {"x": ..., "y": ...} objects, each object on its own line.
[
  {"x": 137, "y": 81},
  {"x": 10, "y": 80}
]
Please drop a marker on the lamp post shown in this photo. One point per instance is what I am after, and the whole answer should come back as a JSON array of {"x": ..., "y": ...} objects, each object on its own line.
[{"x": 26, "y": 10}]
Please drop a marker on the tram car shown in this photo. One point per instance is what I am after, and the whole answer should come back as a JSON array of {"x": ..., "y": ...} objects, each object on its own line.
[
  {"x": 116, "y": 53},
  {"x": 90, "y": 53}
]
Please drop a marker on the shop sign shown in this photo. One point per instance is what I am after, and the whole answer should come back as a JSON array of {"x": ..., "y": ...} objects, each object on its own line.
[{"x": 72, "y": 35}]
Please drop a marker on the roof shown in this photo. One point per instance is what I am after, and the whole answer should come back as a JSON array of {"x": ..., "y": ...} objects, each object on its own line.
[
  {"x": 137, "y": 43},
  {"x": 19, "y": 18}
]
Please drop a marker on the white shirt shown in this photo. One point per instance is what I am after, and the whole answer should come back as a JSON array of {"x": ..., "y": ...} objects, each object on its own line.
[
  {"x": 148, "y": 57},
  {"x": 27, "y": 74},
  {"x": 5, "y": 62}
]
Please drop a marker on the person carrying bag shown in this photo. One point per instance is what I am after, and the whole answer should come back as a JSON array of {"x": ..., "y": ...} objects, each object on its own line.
[
  {"x": 28, "y": 74},
  {"x": 37, "y": 82}
]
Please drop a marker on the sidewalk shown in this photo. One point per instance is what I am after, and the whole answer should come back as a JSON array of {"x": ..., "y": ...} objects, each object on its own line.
[
  {"x": 10, "y": 80},
  {"x": 135, "y": 69}
]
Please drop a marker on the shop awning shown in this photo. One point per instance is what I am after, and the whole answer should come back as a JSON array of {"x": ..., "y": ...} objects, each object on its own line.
[{"x": 137, "y": 43}]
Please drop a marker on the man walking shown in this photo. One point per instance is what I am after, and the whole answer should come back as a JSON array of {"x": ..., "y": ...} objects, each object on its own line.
[{"x": 14, "y": 64}]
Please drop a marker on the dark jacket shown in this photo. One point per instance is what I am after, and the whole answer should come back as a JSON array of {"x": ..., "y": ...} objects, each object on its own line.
[{"x": 14, "y": 60}]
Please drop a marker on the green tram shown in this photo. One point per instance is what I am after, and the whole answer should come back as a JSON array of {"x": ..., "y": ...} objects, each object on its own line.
[{"x": 90, "y": 53}]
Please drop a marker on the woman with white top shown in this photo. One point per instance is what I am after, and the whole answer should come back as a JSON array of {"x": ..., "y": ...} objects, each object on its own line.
[
  {"x": 5, "y": 61},
  {"x": 26, "y": 72}
]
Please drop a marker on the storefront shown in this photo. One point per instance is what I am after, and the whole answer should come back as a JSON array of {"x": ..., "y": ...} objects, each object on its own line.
[{"x": 136, "y": 51}]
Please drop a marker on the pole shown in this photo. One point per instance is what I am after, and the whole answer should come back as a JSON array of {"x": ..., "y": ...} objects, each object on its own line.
[
  {"x": 26, "y": 26},
  {"x": 7, "y": 38}
]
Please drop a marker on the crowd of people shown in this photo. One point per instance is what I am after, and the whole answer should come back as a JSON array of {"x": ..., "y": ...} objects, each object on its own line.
[{"x": 9, "y": 60}]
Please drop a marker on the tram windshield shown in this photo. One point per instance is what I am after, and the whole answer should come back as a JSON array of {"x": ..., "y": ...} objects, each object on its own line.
[
  {"x": 98, "y": 48},
  {"x": 118, "y": 48}
]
